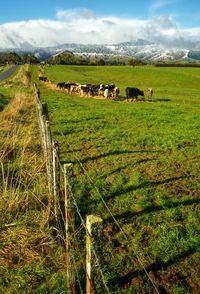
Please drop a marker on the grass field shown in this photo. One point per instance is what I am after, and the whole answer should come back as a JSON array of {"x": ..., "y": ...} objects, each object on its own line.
[{"x": 143, "y": 159}]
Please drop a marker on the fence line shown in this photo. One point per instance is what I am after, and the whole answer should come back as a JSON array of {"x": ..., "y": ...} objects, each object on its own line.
[
  {"x": 53, "y": 168},
  {"x": 49, "y": 149}
]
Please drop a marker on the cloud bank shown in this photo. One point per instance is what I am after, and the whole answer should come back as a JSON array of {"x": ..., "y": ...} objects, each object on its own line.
[{"x": 85, "y": 27}]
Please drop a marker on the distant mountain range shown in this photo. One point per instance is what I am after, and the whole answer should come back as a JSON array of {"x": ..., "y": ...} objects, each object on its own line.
[{"x": 140, "y": 49}]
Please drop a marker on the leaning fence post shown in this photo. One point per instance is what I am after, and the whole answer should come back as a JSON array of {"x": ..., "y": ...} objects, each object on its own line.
[
  {"x": 69, "y": 225},
  {"x": 90, "y": 221}
]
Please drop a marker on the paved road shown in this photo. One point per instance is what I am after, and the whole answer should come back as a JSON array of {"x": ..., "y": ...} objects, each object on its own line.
[{"x": 6, "y": 74}]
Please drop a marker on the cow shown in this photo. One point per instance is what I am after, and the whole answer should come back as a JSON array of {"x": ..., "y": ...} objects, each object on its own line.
[
  {"x": 149, "y": 93},
  {"x": 94, "y": 90},
  {"x": 74, "y": 88},
  {"x": 133, "y": 93},
  {"x": 69, "y": 86},
  {"x": 115, "y": 92},
  {"x": 109, "y": 91},
  {"x": 106, "y": 93},
  {"x": 61, "y": 85},
  {"x": 110, "y": 87},
  {"x": 85, "y": 90},
  {"x": 101, "y": 90}
]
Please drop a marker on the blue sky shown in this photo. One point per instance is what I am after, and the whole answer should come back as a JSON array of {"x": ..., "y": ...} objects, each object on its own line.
[
  {"x": 50, "y": 22},
  {"x": 185, "y": 12}
]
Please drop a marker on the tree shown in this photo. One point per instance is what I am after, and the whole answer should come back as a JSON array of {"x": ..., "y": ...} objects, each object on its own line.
[
  {"x": 14, "y": 58},
  {"x": 135, "y": 61},
  {"x": 10, "y": 57},
  {"x": 66, "y": 57},
  {"x": 101, "y": 61},
  {"x": 28, "y": 58}
]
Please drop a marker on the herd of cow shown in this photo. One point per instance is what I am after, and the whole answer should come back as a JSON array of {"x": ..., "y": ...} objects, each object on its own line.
[
  {"x": 90, "y": 90},
  {"x": 110, "y": 91}
]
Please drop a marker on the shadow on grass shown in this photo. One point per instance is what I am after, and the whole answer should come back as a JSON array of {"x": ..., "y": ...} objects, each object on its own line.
[
  {"x": 156, "y": 266},
  {"x": 149, "y": 184},
  {"x": 123, "y": 98},
  {"x": 119, "y": 169},
  {"x": 128, "y": 215},
  {"x": 66, "y": 132},
  {"x": 161, "y": 100},
  {"x": 117, "y": 152},
  {"x": 71, "y": 151},
  {"x": 85, "y": 119}
]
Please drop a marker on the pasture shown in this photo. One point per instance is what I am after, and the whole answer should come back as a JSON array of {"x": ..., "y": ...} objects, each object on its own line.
[{"x": 143, "y": 159}]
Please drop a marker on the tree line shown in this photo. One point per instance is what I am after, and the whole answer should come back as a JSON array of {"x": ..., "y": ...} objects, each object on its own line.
[
  {"x": 69, "y": 58},
  {"x": 14, "y": 58}
]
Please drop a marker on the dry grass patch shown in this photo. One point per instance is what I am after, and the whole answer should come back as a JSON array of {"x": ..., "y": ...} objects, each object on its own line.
[{"x": 28, "y": 249}]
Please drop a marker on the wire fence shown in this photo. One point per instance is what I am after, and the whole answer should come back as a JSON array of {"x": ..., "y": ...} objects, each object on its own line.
[{"x": 63, "y": 207}]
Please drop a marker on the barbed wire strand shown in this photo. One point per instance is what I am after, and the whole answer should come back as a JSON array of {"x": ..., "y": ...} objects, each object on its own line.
[
  {"x": 95, "y": 254},
  {"x": 83, "y": 223},
  {"x": 76, "y": 271},
  {"x": 74, "y": 235},
  {"x": 110, "y": 212}
]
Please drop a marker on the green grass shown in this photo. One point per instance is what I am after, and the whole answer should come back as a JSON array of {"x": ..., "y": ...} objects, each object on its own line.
[
  {"x": 166, "y": 82},
  {"x": 144, "y": 160}
]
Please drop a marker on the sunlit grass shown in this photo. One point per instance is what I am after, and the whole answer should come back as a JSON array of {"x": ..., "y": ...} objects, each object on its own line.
[{"x": 143, "y": 158}]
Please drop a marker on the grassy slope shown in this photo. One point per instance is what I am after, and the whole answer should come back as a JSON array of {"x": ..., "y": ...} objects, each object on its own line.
[
  {"x": 30, "y": 259},
  {"x": 144, "y": 159}
]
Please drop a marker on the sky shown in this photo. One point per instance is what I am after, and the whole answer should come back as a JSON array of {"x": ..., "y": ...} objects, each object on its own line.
[{"x": 46, "y": 22}]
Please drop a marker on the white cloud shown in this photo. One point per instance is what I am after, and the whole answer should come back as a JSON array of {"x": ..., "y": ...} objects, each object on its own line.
[
  {"x": 72, "y": 14},
  {"x": 83, "y": 26}
]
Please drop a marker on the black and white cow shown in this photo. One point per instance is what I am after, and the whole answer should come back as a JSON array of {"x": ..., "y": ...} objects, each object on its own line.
[
  {"x": 70, "y": 86},
  {"x": 95, "y": 90},
  {"x": 110, "y": 87},
  {"x": 101, "y": 90},
  {"x": 84, "y": 90}
]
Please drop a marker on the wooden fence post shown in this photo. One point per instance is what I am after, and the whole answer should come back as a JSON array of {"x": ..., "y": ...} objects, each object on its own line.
[
  {"x": 56, "y": 177},
  {"x": 90, "y": 221},
  {"x": 69, "y": 226},
  {"x": 46, "y": 139},
  {"x": 40, "y": 120},
  {"x": 50, "y": 155}
]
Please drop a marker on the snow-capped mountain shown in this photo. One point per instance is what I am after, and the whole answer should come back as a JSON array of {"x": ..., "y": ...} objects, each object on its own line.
[{"x": 140, "y": 49}]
